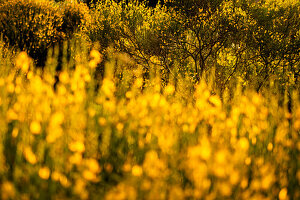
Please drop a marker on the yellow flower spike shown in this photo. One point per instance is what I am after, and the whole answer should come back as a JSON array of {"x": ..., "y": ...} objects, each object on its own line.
[
  {"x": 91, "y": 112},
  {"x": 93, "y": 165},
  {"x": 57, "y": 119},
  {"x": 244, "y": 143},
  {"x": 270, "y": 147},
  {"x": 96, "y": 58},
  {"x": 244, "y": 183},
  {"x": 64, "y": 77},
  {"x": 55, "y": 176},
  {"x": 2, "y": 81},
  {"x": 108, "y": 87},
  {"x": 169, "y": 90},
  {"x": 127, "y": 167},
  {"x": 225, "y": 189},
  {"x": 77, "y": 146},
  {"x": 29, "y": 155},
  {"x": 138, "y": 82},
  {"x": 93, "y": 64},
  {"x": 88, "y": 175},
  {"x": 96, "y": 55},
  {"x": 137, "y": 170},
  {"x": 221, "y": 156},
  {"x": 23, "y": 61},
  {"x": 15, "y": 132},
  {"x": 234, "y": 177},
  {"x": 76, "y": 158},
  {"x": 102, "y": 121},
  {"x": 201, "y": 151},
  {"x": 11, "y": 115},
  {"x": 64, "y": 181},
  {"x": 10, "y": 88},
  {"x": 248, "y": 161},
  {"x": 283, "y": 194},
  {"x": 53, "y": 133},
  {"x": 87, "y": 78},
  {"x": 80, "y": 189},
  {"x": 120, "y": 126},
  {"x": 17, "y": 89},
  {"x": 30, "y": 75},
  {"x": 61, "y": 90},
  {"x": 215, "y": 100},
  {"x": 44, "y": 173},
  {"x": 129, "y": 94},
  {"x": 35, "y": 127},
  {"x": 7, "y": 190}
]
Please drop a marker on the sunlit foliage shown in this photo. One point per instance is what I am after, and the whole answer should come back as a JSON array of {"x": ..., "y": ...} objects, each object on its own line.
[
  {"x": 125, "y": 141},
  {"x": 187, "y": 100}
]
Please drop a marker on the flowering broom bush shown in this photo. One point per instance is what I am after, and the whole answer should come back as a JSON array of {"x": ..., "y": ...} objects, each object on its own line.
[{"x": 34, "y": 26}]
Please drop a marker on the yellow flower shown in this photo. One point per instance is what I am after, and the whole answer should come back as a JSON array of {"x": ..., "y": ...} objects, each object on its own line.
[
  {"x": 77, "y": 146},
  {"x": 93, "y": 64},
  {"x": 96, "y": 58},
  {"x": 29, "y": 155},
  {"x": 55, "y": 176},
  {"x": 91, "y": 112},
  {"x": 170, "y": 89},
  {"x": 76, "y": 158},
  {"x": 88, "y": 175},
  {"x": 108, "y": 87},
  {"x": 96, "y": 55},
  {"x": 221, "y": 156},
  {"x": 44, "y": 173},
  {"x": 57, "y": 119},
  {"x": 35, "y": 127},
  {"x": 53, "y": 134},
  {"x": 93, "y": 165},
  {"x": 138, "y": 82},
  {"x": 102, "y": 121},
  {"x": 283, "y": 194},
  {"x": 137, "y": 170},
  {"x": 64, "y": 181},
  {"x": 64, "y": 77},
  {"x": 10, "y": 87},
  {"x": 7, "y": 190},
  {"x": 248, "y": 161},
  {"x": 202, "y": 151},
  {"x": 15, "y": 132},
  {"x": 23, "y": 61},
  {"x": 12, "y": 115},
  {"x": 244, "y": 143},
  {"x": 270, "y": 146}
]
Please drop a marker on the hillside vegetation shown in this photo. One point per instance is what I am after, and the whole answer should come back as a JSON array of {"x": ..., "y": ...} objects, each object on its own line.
[{"x": 187, "y": 100}]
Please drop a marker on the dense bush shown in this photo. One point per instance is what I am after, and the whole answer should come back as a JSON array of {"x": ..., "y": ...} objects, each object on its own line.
[
  {"x": 30, "y": 25},
  {"x": 75, "y": 16},
  {"x": 34, "y": 26}
]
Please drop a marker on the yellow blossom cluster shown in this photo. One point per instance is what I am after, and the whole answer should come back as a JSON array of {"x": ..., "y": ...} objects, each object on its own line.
[{"x": 127, "y": 139}]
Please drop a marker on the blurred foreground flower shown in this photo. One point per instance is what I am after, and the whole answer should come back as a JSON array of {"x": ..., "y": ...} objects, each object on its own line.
[
  {"x": 44, "y": 173},
  {"x": 23, "y": 61}
]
